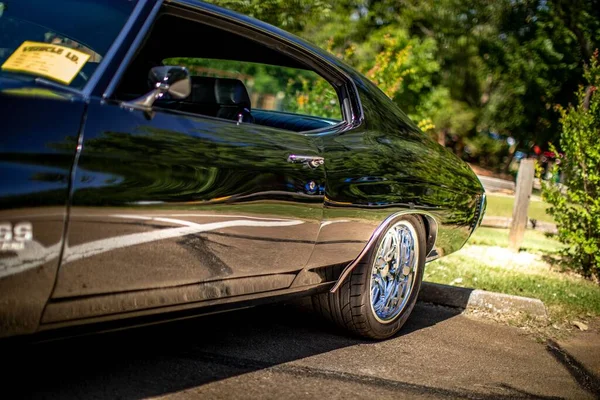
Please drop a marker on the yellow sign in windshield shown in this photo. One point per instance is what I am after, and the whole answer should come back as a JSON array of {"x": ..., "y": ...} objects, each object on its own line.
[{"x": 50, "y": 60}]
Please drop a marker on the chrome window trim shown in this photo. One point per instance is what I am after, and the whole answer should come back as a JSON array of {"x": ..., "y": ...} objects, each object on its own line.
[{"x": 333, "y": 129}]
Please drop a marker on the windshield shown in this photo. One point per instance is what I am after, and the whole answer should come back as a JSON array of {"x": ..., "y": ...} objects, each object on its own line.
[{"x": 62, "y": 40}]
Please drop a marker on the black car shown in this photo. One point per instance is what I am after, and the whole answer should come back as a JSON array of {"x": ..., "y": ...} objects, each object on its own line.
[{"x": 164, "y": 159}]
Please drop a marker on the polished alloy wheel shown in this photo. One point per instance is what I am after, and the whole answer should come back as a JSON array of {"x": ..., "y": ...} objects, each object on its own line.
[
  {"x": 394, "y": 271},
  {"x": 378, "y": 295}
]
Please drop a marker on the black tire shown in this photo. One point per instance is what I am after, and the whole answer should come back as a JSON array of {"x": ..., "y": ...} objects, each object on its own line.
[{"x": 350, "y": 306}]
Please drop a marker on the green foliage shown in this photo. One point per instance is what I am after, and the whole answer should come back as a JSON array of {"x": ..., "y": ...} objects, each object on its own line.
[
  {"x": 446, "y": 114},
  {"x": 291, "y": 15},
  {"x": 485, "y": 150},
  {"x": 400, "y": 65},
  {"x": 456, "y": 67},
  {"x": 294, "y": 90},
  {"x": 314, "y": 97},
  {"x": 577, "y": 211},
  {"x": 494, "y": 66},
  {"x": 259, "y": 77}
]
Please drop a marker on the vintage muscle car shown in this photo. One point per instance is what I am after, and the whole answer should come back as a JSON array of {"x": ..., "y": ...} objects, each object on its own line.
[{"x": 165, "y": 159}]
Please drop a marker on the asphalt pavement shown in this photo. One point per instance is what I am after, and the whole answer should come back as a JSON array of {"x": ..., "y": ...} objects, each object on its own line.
[
  {"x": 278, "y": 352},
  {"x": 496, "y": 185}
]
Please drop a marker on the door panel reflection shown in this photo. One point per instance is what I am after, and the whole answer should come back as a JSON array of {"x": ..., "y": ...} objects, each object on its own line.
[
  {"x": 178, "y": 200},
  {"x": 37, "y": 149}
]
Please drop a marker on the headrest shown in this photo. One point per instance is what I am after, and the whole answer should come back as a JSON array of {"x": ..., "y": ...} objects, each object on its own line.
[
  {"x": 231, "y": 92},
  {"x": 221, "y": 91},
  {"x": 203, "y": 90}
]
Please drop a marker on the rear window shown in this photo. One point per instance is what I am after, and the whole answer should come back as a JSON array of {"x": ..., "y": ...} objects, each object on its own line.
[{"x": 60, "y": 40}]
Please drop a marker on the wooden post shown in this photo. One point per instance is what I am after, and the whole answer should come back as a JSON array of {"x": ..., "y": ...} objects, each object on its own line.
[{"x": 522, "y": 196}]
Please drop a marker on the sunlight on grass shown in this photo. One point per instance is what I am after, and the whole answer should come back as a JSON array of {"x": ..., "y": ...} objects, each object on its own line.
[
  {"x": 534, "y": 241},
  {"x": 502, "y": 206},
  {"x": 487, "y": 264}
]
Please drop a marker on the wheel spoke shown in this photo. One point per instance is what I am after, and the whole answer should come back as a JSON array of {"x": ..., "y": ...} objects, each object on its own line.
[
  {"x": 393, "y": 272},
  {"x": 393, "y": 294}
]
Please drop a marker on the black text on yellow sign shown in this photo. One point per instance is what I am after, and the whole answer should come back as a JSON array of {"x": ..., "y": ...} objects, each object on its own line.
[{"x": 53, "y": 61}]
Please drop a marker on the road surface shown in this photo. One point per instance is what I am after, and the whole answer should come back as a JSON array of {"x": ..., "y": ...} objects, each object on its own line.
[{"x": 276, "y": 352}]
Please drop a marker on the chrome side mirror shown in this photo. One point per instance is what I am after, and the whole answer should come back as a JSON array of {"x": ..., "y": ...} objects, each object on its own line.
[{"x": 166, "y": 81}]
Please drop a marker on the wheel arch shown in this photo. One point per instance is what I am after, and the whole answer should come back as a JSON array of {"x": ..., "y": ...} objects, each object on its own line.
[{"x": 431, "y": 232}]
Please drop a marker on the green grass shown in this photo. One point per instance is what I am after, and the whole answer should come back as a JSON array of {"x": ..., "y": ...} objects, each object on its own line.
[
  {"x": 483, "y": 264},
  {"x": 533, "y": 241},
  {"x": 502, "y": 206}
]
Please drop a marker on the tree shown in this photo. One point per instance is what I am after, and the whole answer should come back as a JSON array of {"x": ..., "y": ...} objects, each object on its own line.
[
  {"x": 291, "y": 15},
  {"x": 577, "y": 212},
  {"x": 458, "y": 67}
]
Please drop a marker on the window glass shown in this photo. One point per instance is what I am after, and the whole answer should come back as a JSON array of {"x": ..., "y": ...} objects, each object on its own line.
[
  {"x": 36, "y": 32},
  {"x": 271, "y": 87}
]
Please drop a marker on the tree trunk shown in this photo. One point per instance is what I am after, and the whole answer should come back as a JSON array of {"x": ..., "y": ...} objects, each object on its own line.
[
  {"x": 442, "y": 137},
  {"x": 460, "y": 147}
]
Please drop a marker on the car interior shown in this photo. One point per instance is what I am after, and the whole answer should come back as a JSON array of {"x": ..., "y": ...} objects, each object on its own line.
[
  {"x": 213, "y": 96},
  {"x": 218, "y": 97}
]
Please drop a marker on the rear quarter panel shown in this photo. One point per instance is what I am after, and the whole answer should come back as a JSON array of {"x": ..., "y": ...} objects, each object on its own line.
[{"x": 387, "y": 166}]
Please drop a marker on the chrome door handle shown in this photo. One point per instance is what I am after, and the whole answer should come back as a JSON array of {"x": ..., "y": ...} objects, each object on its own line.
[{"x": 309, "y": 161}]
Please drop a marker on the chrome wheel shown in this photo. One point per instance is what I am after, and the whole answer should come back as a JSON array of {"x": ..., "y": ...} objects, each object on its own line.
[{"x": 394, "y": 271}]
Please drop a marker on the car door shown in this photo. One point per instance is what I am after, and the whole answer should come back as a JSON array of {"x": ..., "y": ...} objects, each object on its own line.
[
  {"x": 36, "y": 156},
  {"x": 49, "y": 52},
  {"x": 178, "y": 199},
  {"x": 174, "y": 205}
]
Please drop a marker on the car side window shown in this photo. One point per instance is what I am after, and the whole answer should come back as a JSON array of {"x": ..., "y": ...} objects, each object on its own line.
[
  {"x": 271, "y": 87},
  {"x": 233, "y": 78}
]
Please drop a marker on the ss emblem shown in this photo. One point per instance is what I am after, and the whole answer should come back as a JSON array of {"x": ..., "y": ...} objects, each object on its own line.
[{"x": 13, "y": 237}]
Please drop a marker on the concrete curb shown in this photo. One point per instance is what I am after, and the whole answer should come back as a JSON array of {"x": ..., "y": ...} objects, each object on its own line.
[{"x": 468, "y": 299}]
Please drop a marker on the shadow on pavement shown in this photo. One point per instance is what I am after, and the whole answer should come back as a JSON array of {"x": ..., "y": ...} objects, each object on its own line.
[
  {"x": 585, "y": 378},
  {"x": 172, "y": 357}
]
